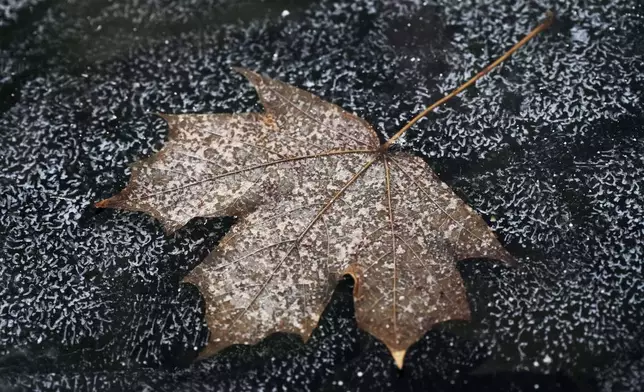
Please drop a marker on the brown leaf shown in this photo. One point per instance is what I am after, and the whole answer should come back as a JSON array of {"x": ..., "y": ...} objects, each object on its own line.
[{"x": 318, "y": 197}]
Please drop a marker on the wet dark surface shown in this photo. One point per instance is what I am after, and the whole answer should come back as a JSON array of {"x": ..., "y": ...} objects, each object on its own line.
[{"x": 548, "y": 148}]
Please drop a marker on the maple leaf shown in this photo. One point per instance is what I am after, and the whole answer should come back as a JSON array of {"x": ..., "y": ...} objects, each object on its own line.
[{"x": 317, "y": 197}]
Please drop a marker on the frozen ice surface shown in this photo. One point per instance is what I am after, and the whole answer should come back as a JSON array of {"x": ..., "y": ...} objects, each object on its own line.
[{"x": 550, "y": 145}]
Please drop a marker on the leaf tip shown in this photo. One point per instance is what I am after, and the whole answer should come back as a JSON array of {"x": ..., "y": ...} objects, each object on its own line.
[
  {"x": 506, "y": 258},
  {"x": 164, "y": 116},
  {"x": 116, "y": 201},
  {"x": 511, "y": 262},
  {"x": 105, "y": 203},
  {"x": 398, "y": 356},
  {"x": 252, "y": 76},
  {"x": 189, "y": 278},
  {"x": 206, "y": 352}
]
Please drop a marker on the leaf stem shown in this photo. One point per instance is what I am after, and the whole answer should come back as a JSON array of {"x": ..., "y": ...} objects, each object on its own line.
[{"x": 543, "y": 26}]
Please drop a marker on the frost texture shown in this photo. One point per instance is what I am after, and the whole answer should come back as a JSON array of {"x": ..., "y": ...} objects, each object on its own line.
[
  {"x": 75, "y": 116},
  {"x": 9, "y": 9}
]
